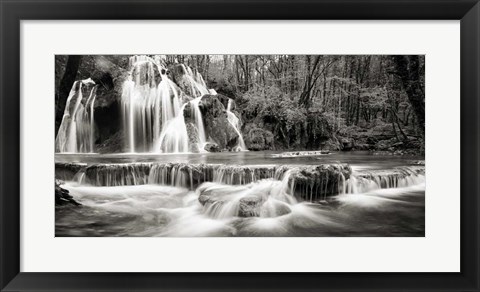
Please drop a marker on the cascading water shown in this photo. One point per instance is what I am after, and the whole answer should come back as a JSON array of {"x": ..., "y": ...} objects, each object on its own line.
[
  {"x": 197, "y": 114},
  {"x": 195, "y": 81},
  {"x": 235, "y": 122},
  {"x": 306, "y": 182},
  {"x": 199, "y": 78},
  {"x": 141, "y": 103},
  {"x": 267, "y": 198},
  {"x": 174, "y": 136},
  {"x": 154, "y": 115},
  {"x": 366, "y": 181},
  {"x": 77, "y": 130},
  {"x": 91, "y": 103},
  {"x": 180, "y": 199}
]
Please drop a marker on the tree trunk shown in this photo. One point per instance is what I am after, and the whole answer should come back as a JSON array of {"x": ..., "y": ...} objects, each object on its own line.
[
  {"x": 408, "y": 69},
  {"x": 395, "y": 116}
]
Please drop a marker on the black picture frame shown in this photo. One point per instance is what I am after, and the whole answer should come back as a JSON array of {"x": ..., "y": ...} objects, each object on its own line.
[{"x": 13, "y": 11}]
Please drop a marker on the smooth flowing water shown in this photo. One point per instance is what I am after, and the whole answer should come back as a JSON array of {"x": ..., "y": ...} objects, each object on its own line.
[
  {"x": 235, "y": 122},
  {"x": 153, "y": 108},
  {"x": 77, "y": 129},
  {"x": 242, "y": 194}
]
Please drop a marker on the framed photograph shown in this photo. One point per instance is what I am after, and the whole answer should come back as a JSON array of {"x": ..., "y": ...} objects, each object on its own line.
[{"x": 238, "y": 145}]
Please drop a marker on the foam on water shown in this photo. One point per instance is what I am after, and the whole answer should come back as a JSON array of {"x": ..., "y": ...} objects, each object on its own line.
[{"x": 218, "y": 209}]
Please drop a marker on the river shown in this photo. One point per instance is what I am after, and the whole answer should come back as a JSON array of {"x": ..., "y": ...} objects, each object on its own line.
[{"x": 242, "y": 194}]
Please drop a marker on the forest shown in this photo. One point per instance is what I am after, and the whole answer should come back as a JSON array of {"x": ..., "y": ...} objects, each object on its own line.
[{"x": 284, "y": 102}]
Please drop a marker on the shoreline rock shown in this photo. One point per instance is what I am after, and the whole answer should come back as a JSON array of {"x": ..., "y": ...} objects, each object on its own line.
[{"x": 62, "y": 196}]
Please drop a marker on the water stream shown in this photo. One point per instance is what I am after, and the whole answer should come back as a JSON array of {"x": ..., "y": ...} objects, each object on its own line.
[
  {"x": 153, "y": 114},
  {"x": 277, "y": 198},
  {"x": 235, "y": 122},
  {"x": 77, "y": 129}
]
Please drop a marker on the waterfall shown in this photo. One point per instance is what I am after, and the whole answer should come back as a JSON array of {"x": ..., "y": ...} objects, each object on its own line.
[
  {"x": 265, "y": 198},
  {"x": 195, "y": 81},
  {"x": 154, "y": 115},
  {"x": 235, "y": 122},
  {"x": 91, "y": 102},
  {"x": 174, "y": 136},
  {"x": 198, "y": 89},
  {"x": 305, "y": 182},
  {"x": 199, "y": 79},
  {"x": 366, "y": 181},
  {"x": 77, "y": 129},
  {"x": 197, "y": 114},
  {"x": 141, "y": 103}
]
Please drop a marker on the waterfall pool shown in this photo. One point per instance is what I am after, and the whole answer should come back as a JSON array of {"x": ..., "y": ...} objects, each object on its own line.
[
  {"x": 362, "y": 159},
  {"x": 242, "y": 194}
]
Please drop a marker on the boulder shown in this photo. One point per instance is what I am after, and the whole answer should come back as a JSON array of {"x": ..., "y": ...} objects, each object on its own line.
[
  {"x": 188, "y": 114},
  {"x": 113, "y": 143},
  {"x": 183, "y": 80},
  {"x": 319, "y": 180},
  {"x": 331, "y": 144},
  {"x": 224, "y": 100},
  {"x": 257, "y": 139},
  {"x": 192, "y": 137},
  {"x": 222, "y": 86},
  {"x": 347, "y": 144},
  {"x": 216, "y": 123},
  {"x": 318, "y": 128},
  {"x": 109, "y": 134},
  {"x": 205, "y": 199},
  {"x": 415, "y": 143},
  {"x": 363, "y": 146},
  {"x": 250, "y": 206},
  {"x": 62, "y": 196},
  {"x": 103, "y": 79},
  {"x": 109, "y": 73},
  {"x": 67, "y": 171},
  {"x": 382, "y": 145},
  {"x": 211, "y": 147}
]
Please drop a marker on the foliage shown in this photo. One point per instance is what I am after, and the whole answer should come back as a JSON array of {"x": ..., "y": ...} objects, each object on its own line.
[
  {"x": 305, "y": 100},
  {"x": 351, "y": 96}
]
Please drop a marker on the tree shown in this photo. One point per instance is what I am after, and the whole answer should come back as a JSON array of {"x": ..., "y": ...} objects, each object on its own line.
[
  {"x": 316, "y": 66},
  {"x": 408, "y": 69}
]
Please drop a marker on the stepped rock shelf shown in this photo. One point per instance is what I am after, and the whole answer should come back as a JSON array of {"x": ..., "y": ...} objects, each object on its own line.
[
  {"x": 306, "y": 182},
  {"x": 138, "y": 195}
]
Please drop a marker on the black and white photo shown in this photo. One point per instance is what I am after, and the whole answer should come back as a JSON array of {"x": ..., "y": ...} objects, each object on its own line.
[{"x": 240, "y": 145}]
